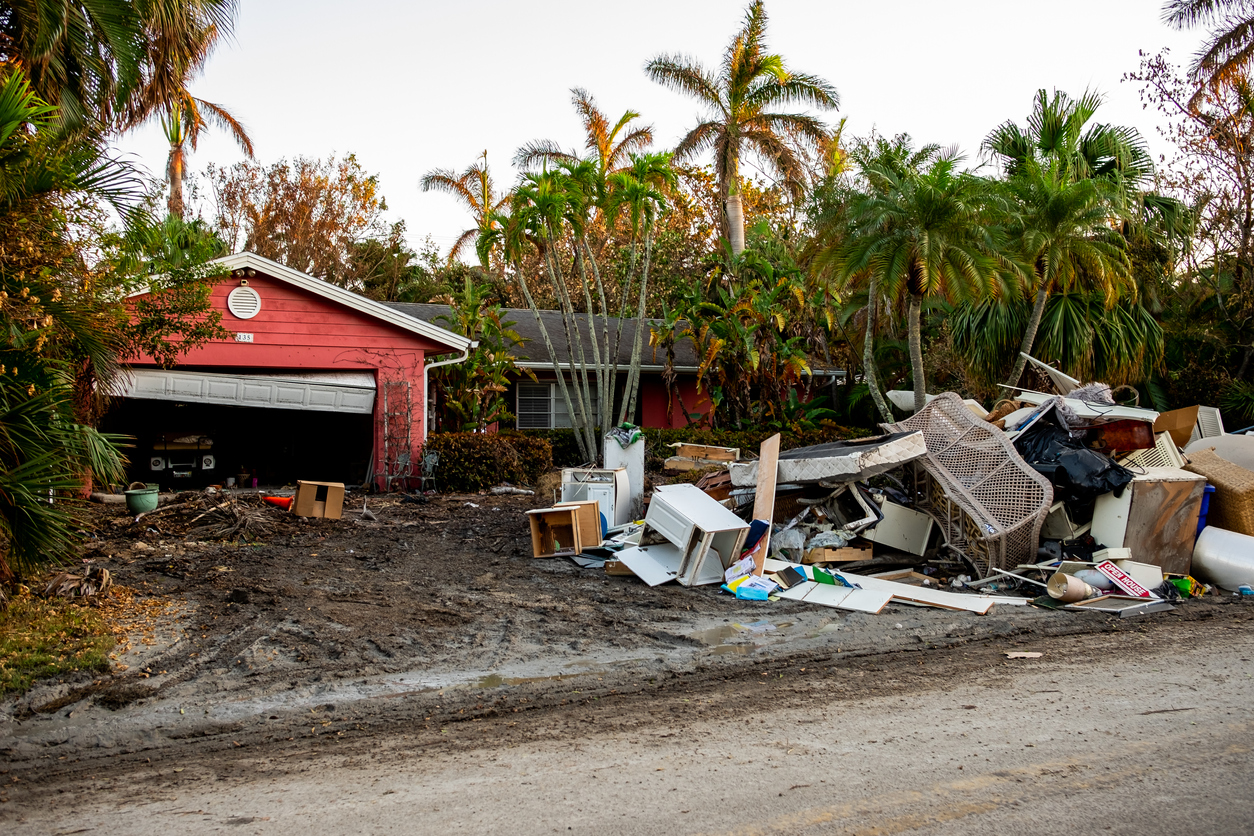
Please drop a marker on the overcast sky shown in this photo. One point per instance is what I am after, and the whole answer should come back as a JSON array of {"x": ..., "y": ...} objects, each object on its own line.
[{"x": 411, "y": 86}]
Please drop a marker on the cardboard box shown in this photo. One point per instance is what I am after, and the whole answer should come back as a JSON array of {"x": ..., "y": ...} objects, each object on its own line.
[
  {"x": 1180, "y": 423},
  {"x": 319, "y": 499},
  {"x": 555, "y": 532}
]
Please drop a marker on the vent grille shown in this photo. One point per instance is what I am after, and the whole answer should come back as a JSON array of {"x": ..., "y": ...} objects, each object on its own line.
[{"x": 243, "y": 302}]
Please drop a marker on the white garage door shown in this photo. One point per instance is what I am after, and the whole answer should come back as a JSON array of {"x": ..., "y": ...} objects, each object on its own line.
[{"x": 316, "y": 391}]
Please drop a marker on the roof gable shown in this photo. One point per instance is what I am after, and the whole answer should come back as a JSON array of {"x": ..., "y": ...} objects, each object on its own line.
[{"x": 347, "y": 298}]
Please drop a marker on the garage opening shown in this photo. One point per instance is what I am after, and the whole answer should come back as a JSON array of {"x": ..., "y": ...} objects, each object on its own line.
[{"x": 192, "y": 445}]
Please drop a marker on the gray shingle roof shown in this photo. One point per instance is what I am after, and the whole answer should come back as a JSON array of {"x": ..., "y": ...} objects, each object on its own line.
[{"x": 532, "y": 351}]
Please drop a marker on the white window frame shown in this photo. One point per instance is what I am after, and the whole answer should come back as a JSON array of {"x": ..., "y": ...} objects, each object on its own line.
[{"x": 556, "y": 406}]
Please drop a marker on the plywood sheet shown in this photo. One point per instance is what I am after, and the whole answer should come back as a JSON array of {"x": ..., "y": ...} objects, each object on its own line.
[{"x": 764, "y": 493}]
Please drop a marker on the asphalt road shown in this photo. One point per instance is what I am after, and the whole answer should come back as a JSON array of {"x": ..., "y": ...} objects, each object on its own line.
[{"x": 1103, "y": 734}]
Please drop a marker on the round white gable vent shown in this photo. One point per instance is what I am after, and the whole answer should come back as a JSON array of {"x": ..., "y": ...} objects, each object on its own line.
[{"x": 244, "y": 302}]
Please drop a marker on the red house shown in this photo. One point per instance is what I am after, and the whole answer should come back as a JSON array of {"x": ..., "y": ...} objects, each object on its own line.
[{"x": 318, "y": 383}]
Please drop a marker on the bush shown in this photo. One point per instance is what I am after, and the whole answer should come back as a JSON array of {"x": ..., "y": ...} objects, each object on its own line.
[
  {"x": 566, "y": 451},
  {"x": 474, "y": 461}
]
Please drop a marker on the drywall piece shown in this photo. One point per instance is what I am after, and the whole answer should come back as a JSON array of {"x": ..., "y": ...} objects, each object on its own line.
[
  {"x": 838, "y": 597},
  {"x": 907, "y": 594},
  {"x": 555, "y": 532},
  {"x": 902, "y": 528},
  {"x": 609, "y": 487},
  {"x": 631, "y": 459},
  {"x": 1063, "y": 382},
  {"x": 764, "y": 479},
  {"x": 589, "y": 519},
  {"x": 839, "y": 461},
  {"x": 709, "y": 536},
  {"x": 655, "y": 565},
  {"x": 1238, "y": 449},
  {"x": 1156, "y": 517}
]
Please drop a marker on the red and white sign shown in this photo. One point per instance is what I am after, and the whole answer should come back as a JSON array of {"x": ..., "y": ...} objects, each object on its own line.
[{"x": 1123, "y": 580}]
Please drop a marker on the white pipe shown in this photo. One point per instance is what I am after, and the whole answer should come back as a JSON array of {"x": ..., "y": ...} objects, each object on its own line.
[{"x": 427, "y": 367}]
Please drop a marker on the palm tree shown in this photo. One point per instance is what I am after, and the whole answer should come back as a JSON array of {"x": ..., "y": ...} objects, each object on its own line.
[
  {"x": 610, "y": 145},
  {"x": 1072, "y": 181},
  {"x": 1231, "y": 43},
  {"x": 927, "y": 232},
  {"x": 1064, "y": 232},
  {"x": 475, "y": 189},
  {"x": 183, "y": 123},
  {"x": 740, "y": 98},
  {"x": 1058, "y": 134}
]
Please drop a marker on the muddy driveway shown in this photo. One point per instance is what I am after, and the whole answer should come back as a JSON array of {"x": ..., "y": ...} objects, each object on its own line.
[{"x": 431, "y": 613}]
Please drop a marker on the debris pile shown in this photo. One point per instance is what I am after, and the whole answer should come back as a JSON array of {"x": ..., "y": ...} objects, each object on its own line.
[{"x": 1067, "y": 500}]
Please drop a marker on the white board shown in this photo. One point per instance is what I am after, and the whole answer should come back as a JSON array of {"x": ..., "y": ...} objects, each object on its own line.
[{"x": 655, "y": 565}]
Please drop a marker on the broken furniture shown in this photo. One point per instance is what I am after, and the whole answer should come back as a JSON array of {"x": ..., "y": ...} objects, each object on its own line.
[
  {"x": 1155, "y": 516},
  {"x": 1238, "y": 449},
  {"x": 1232, "y": 506},
  {"x": 839, "y": 461},
  {"x": 902, "y": 528},
  {"x": 588, "y": 519},
  {"x": 989, "y": 501},
  {"x": 709, "y": 537},
  {"x": 608, "y": 486},
  {"x": 319, "y": 499},
  {"x": 555, "y": 531}
]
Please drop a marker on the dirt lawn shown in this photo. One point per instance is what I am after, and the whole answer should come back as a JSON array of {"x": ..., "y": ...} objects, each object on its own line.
[{"x": 435, "y": 614}]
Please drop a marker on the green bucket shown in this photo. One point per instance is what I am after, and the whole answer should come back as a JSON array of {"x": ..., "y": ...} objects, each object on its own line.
[{"x": 141, "y": 501}]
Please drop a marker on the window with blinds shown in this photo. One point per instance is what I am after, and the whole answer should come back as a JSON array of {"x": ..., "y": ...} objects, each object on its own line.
[{"x": 541, "y": 407}]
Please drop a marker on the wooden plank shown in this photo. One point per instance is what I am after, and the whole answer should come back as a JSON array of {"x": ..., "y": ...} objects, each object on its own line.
[
  {"x": 706, "y": 452},
  {"x": 764, "y": 494}
]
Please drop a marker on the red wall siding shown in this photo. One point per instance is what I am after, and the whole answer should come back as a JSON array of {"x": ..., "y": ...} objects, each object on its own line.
[
  {"x": 298, "y": 331},
  {"x": 653, "y": 402}
]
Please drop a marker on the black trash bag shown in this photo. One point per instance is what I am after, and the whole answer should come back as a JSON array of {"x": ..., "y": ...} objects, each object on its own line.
[
  {"x": 1081, "y": 548},
  {"x": 1079, "y": 474}
]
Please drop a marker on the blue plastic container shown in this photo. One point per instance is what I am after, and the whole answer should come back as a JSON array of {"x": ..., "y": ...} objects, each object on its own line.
[{"x": 1201, "y": 519}]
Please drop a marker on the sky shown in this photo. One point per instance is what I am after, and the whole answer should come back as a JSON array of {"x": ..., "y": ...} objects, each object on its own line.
[{"x": 413, "y": 86}]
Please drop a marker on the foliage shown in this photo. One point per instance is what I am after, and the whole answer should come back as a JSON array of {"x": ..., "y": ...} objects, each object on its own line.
[
  {"x": 754, "y": 325},
  {"x": 471, "y": 393},
  {"x": 306, "y": 214},
  {"x": 474, "y": 461},
  {"x": 59, "y": 339},
  {"x": 1230, "y": 45},
  {"x": 41, "y": 638}
]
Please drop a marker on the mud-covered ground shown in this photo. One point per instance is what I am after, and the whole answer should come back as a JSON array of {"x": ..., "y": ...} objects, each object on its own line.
[{"x": 434, "y": 614}]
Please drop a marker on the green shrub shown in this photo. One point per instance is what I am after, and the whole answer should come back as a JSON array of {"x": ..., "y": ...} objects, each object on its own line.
[{"x": 474, "y": 461}]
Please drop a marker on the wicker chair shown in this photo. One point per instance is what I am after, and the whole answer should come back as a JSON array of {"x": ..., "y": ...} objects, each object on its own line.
[{"x": 989, "y": 502}]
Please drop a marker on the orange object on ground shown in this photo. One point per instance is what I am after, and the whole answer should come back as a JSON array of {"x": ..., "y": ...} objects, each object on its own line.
[{"x": 284, "y": 502}]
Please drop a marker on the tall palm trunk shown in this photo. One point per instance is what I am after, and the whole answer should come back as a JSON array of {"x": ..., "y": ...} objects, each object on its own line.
[
  {"x": 736, "y": 223},
  {"x": 868, "y": 355},
  {"x": 174, "y": 170},
  {"x": 914, "y": 313},
  {"x": 633, "y": 376},
  {"x": 1029, "y": 336}
]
